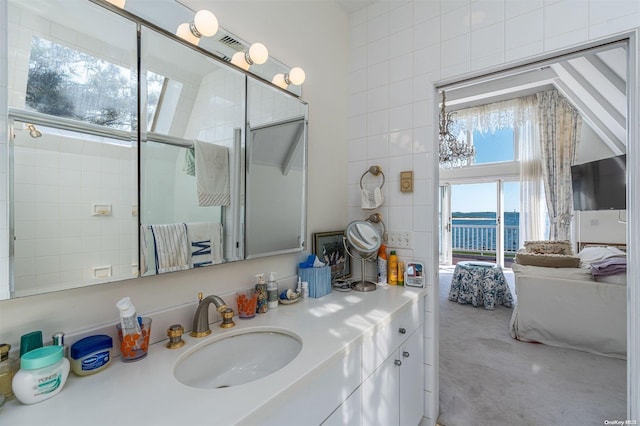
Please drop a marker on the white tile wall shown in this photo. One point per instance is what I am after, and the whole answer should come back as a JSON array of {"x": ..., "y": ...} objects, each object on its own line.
[
  {"x": 58, "y": 241},
  {"x": 449, "y": 38}
]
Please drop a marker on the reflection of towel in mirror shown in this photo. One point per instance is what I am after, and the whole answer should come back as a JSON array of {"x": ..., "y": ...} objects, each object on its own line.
[
  {"x": 205, "y": 243},
  {"x": 365, "y": 237},
  {"x": 212, "y": 174},
  {"x": 371, "y": 199},
  {"x": 170, "y": 243},
  {"x": 144, "y": 250},
  {"x": 189, "y": 166}
]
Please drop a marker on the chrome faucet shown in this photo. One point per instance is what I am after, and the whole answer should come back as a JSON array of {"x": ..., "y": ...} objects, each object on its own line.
[{"x": 201, "y": 317}]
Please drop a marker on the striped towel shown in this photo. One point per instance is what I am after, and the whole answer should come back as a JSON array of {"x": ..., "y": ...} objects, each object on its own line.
[
  {"x": 212, "y": 174},
  {"x": 205, "y": 243},
  {"x": 171, "y": 249}
]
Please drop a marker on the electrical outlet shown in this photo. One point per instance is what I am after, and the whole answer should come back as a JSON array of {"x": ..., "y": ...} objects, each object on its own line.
[{"x": 399, "y": 239}]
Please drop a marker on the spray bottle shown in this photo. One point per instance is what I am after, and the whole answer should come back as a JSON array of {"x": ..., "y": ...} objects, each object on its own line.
[
  {"x": 261, "y": 291},
  {"x": 382, "y": 264}
]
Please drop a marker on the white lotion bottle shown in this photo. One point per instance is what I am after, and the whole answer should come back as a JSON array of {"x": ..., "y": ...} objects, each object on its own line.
[
  {"x": 43, "y": 372},
  {"x": 272, "y": 291}
]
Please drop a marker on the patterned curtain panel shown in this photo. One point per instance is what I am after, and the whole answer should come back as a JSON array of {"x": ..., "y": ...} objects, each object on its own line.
[{"x": 560, "y": 125}]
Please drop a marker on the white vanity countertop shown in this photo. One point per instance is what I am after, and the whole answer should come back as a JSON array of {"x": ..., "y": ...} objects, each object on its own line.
[{"x": 147, "y": 393}]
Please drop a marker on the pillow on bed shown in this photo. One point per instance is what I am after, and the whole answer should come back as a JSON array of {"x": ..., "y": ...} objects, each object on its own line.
[
  {"x": 588, "y": 255},
  {"x": 566, "y": 273},
  {"x": 548, "y": 260},
  {"x": 548, "y": 247}
]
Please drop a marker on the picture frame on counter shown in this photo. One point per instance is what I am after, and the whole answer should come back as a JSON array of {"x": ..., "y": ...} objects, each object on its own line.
[{"x": 329, "y": 248}]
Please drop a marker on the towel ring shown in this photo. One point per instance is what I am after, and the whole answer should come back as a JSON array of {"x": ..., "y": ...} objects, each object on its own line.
[{"x": 374, "y": 170}]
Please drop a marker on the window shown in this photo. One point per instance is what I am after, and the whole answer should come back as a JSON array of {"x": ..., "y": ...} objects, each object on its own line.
[
  {"x": 67, "y": 83},
  {"x": 494, "y": 147}
]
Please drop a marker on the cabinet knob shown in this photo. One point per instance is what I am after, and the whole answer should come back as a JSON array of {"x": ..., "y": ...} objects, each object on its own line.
[
  {"x": 402, "y": 330},
  {"x": 405, "y": 354},
  {"x": 397, "y": 362}
]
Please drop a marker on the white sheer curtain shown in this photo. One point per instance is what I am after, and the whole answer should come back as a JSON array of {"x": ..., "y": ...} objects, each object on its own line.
[
  {"x": 532, "y": 199},
  {"x": 521, "y": 114}
]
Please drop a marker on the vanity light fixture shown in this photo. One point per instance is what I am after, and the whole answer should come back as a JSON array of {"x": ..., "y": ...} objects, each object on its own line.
[
  {"x": 257, "y": 54},
  {"x": 117, "y": 3},
  {"x": 295, "y": 76},
  {"x": 204, "y": 24}
]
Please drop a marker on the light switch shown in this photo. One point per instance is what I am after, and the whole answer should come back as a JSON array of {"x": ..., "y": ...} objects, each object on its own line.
[
  {"x": 101, "y": 210},
  {"x": 406, "y": 181},
  {"x": 101, "y": 271}
]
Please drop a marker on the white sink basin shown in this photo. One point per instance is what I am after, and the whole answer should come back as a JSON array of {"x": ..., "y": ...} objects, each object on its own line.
[{"x": 237, "y": 359}]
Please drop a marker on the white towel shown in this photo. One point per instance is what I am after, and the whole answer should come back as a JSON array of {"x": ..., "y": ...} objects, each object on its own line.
[
  {"x": 212, "y": 174},
  {"x": 371, "y": 199},
  {"x": 171, "y": 250},
  {"x": 205, "y": 243}
]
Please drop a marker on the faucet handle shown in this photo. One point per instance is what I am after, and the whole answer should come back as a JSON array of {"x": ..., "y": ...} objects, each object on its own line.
[
  {"x": 175, "y": 336},
  {"x": 200, "y": 296}
]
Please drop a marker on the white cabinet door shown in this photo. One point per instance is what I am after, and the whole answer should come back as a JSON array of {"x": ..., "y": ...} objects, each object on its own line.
[
  {"x": 412, "y": 379},
  {"x": 381, "y": 394},
  {"x": 349, "y": 413}
]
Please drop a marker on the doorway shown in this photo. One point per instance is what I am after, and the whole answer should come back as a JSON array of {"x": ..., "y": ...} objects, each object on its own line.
[
  {"x": 498, "y": 86},
  {"x": 479, "y": 221}
]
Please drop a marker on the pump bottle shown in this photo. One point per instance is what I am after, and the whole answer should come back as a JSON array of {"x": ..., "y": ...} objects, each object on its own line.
[{"x": 272, "y": 291}]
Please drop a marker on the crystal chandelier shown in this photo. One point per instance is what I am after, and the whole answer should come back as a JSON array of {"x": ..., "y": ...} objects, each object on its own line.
[{"x": 453, "y": 152}]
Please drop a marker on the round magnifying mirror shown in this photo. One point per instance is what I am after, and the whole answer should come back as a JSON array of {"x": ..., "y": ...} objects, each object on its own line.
[{"x": 361, "y": 238}]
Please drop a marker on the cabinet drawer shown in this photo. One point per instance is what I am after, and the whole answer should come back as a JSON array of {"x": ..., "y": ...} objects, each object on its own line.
[{"x": 390, "y": 334}]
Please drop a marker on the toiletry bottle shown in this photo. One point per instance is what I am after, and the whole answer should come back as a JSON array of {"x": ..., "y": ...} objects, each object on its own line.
[
  {"x": 8, "y": 367},
  {"x": 128, "y": 317},
  {"x": 272, "y": 291},
  {"x": 393, "y": 268},
  {"x": 299, "y": 287},
  {"x": 261, "y": 291},
  {"x": 30, "y": 341},
  {"x": 400, "y": 273},
  {"x": 43, "y": 372},
  {"x": 382, "y": 264},
  {"x": 58, "y": 340},
  {"x": 305, "y": 290}
]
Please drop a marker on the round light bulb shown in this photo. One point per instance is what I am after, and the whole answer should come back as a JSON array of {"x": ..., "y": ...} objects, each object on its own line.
[
  {"x": 117, "y": 3},
  {"x": 206, "y": 23},
  {"x": 279, "y": 81},
  {"x": 258, "y": 53},
  {"x": 296, "y": 76},
  {"x": 238, "y": 60},
  {"x": 185, "y": 33}
]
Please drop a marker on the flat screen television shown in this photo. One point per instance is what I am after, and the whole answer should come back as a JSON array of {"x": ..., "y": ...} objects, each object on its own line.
[{"x": 600, "y": 185}]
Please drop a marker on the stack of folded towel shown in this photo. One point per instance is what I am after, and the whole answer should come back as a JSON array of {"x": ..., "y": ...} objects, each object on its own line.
[{"x": 609, "y": 266}]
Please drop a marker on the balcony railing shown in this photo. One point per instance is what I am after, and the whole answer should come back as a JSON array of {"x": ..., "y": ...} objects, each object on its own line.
[{"x": 481, "y": 239}]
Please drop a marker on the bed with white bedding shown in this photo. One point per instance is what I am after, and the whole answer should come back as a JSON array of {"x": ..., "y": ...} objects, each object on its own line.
[{"x": 569, "y": 308}]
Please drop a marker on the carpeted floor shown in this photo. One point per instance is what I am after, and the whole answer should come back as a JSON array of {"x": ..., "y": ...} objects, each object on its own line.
[{"x": 489, "y": 378}]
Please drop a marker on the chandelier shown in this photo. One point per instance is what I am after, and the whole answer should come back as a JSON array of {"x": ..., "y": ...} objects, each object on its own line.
[{"x": 453, "y": 152}]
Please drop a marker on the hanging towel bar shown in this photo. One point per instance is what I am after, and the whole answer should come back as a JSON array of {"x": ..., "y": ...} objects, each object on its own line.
[{"x": 374, "y": 170}]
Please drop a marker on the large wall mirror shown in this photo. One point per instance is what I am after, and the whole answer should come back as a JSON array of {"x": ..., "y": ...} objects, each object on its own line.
[
  {"x": 73, "y": 155},
  {"x": 276, "y": 171},
  {"x": 189, "y": 157},
  {"x": 79, "y": 85}
]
